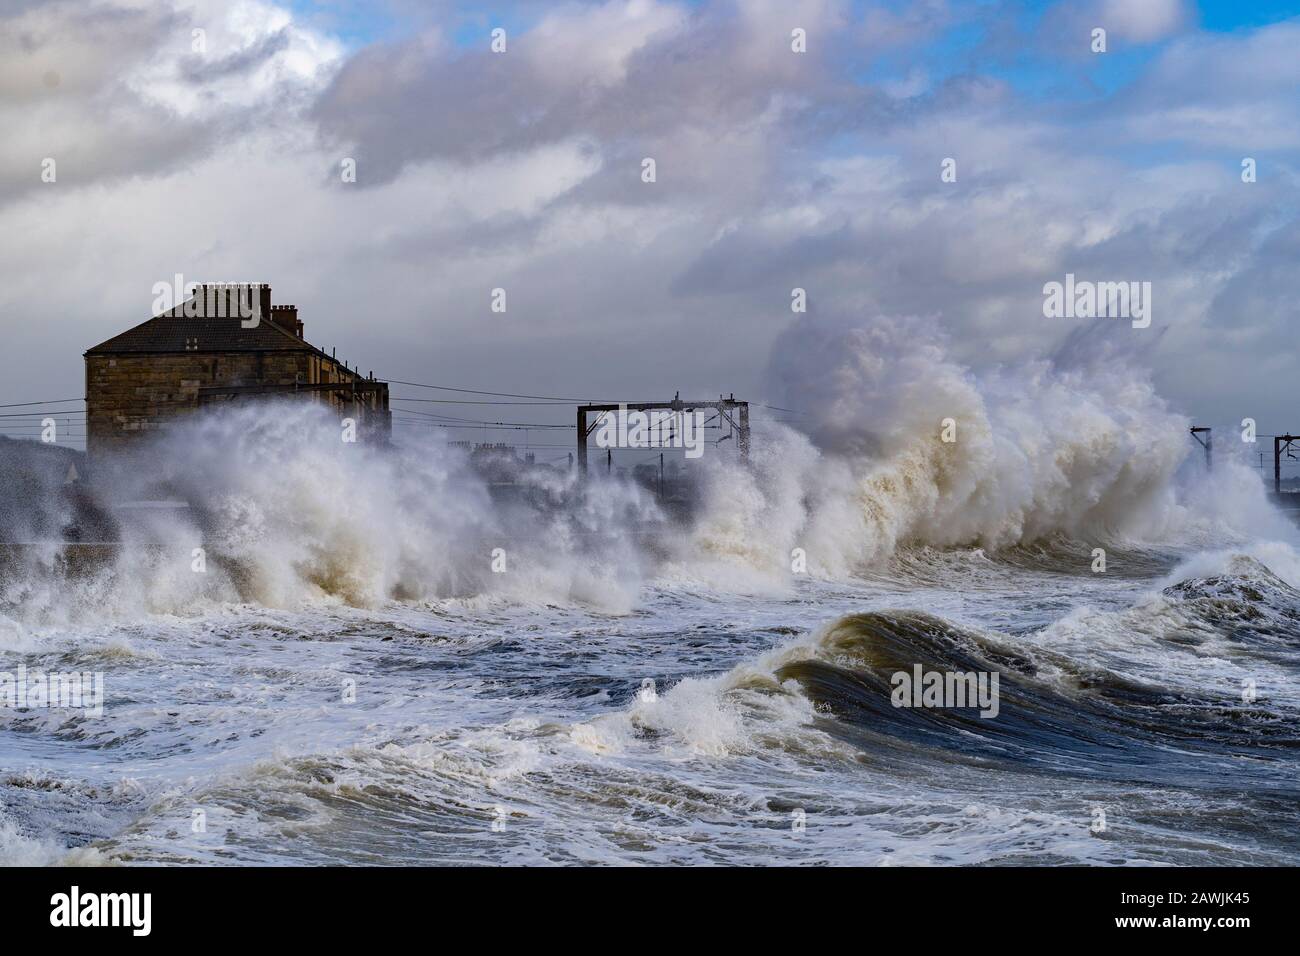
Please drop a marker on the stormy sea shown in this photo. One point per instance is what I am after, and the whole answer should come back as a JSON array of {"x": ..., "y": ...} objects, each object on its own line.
[{"x": 315, "y": 652}]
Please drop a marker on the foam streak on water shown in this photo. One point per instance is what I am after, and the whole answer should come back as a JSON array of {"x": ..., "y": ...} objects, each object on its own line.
[{"x": 758, "y": 710}]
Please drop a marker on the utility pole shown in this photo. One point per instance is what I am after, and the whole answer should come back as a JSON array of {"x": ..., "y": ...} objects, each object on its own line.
[
  {"x": 582, "y": 443},
  {"x": 744, "y": 431},
  {"x": 1207, "y": 443},
  {"x": 1277, "y": 465},
  {"x": 1280, "y": 443}
]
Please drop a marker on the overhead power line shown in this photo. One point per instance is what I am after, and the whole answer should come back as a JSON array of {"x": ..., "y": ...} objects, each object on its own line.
[
  {"x": 61, "y": 416},
  {"x": 475, "y": 391},
  {"x": 558, "y": 399},
  {"x": 53, "y": 401},
  {"x": 474, "y": 421},
  {"x": 470, "y": 401}
]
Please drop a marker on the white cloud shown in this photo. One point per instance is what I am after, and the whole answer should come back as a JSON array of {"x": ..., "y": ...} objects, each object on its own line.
[
  {"x": 254, "y": 54},
  {"x": 1143, "y": 21}
]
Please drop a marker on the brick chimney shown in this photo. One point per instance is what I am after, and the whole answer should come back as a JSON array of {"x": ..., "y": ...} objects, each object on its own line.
[
  {"x": 286, "y": 317},
  {"x": 263, "y": 290},
  {"x": 223, "y": 299}
]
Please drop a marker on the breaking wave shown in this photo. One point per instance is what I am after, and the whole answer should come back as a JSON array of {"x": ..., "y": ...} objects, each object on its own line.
[
  {"x": 1065, "y": 707},
  {"x": 912, "y": 449},
  {"x": 1046, "y": 454}
]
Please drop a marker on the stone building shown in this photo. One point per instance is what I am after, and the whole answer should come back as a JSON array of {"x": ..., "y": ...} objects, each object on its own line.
[{"x": 204, "y": 352}]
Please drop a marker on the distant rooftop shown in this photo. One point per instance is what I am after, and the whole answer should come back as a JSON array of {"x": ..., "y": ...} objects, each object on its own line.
[
  {"x": 168, "y": 333},
  {"x": 173, "y": 331}
]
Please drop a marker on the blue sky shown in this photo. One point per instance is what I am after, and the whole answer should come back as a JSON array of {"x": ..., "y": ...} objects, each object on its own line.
[
  {"x": 963, "y": 47},
  {"x": 357, "y": 23}
]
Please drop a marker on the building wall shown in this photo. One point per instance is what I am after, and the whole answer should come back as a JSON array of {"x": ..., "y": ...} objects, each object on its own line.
[{"x": 128, "y": 396}]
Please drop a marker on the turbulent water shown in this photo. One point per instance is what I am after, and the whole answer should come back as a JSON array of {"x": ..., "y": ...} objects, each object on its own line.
[{"x": 349, "y": 680}]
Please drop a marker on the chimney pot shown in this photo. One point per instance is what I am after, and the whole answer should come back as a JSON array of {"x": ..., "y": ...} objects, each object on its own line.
[{"x": 286, "y": 317}]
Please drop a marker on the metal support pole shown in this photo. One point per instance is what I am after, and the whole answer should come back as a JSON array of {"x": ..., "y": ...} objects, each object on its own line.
[
  {"x": 1281, "y": 443},
  {"x": 1277, "y": 465},
  {"x": 1207, "y": 444},
  {"x": 744, "y": 432},
  {"x": 582, "y": 442}
]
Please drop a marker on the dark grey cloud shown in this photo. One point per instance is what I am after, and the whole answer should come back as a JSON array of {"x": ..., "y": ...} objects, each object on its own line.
[{"x": 679, "y": 69}]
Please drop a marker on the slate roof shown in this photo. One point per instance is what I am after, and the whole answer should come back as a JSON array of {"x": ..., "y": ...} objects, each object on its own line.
[{"x": 176, "y": 333}]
